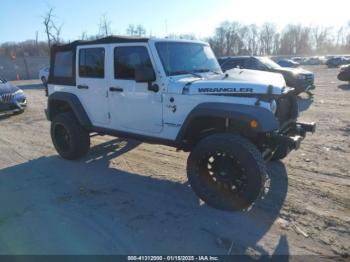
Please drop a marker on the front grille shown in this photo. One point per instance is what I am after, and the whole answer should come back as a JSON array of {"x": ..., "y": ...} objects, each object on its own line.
[
  {"x": 309, "y": 79},
  {"x": 6, "y": 98},
  {"x": 287, "y": 108}
]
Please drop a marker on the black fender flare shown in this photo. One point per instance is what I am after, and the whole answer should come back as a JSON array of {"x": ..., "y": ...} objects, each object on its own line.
[
  {"x": 238, "y": 114},
  {"x": 73, "y": 102}
]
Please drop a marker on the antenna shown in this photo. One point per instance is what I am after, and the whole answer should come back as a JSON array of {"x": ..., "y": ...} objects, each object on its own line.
[{"x": 166, "y": 28}]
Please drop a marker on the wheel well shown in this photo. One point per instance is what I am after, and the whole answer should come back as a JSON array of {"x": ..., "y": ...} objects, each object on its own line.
[
  {"x": 201, "y": 127},
  {"x": 58, "y": 106}
]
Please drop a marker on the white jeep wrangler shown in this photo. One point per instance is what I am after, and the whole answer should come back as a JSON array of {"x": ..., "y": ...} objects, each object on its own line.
[{"x": 174, "y": 93}]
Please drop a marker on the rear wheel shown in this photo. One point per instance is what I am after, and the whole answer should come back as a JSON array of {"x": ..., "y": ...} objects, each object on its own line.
[
  {"x": 226, "y": 171},
  {"x": 70, "y": 139},
  {"x": 43, "y": 80}
]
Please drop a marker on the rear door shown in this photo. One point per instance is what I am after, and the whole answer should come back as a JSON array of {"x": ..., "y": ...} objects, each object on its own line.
[{"x": 92, "y": 84}]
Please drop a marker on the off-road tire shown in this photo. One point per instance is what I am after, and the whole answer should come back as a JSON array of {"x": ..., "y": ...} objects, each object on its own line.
[
  {"x": 242, "y": 160},
  {"x": 70, "y": 139},
  {"x": 279, "y": 154}
]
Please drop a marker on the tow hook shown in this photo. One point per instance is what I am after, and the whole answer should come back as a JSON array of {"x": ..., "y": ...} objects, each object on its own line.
[
  {"x": 295, "y": 142},
  {"x": 307, "y": 127}
]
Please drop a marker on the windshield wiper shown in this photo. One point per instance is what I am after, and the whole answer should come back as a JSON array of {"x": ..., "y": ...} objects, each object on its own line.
[
  {"x": 207, "y": 71},
  {"x": 184, "y": 72}
]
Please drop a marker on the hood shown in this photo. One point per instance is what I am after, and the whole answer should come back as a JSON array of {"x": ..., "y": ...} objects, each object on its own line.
[
  {"x": 8, "y": 88},
  {"x": 235, "y": 81},
  {"x": 294, "y": 71}
]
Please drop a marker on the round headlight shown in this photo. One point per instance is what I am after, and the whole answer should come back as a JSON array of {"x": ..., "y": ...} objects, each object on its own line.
[{"x": 273, "y": 106}]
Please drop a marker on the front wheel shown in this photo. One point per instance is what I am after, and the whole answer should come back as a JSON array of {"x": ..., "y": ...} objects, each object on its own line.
[
  {"x": 70, "y": 139},
  {"x": 226, "y": 171}
]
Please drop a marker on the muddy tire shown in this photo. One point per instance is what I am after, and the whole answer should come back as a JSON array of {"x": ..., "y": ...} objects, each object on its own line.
[
  {"x": 70, "y": 139},
  {"x": 226, "y": 171},
  {"x": 279, "y": 154}
]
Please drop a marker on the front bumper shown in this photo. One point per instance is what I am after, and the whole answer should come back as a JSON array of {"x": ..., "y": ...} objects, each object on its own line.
[
  {"x": 310, "y": 87},
  {"x": 12, "y": 108},
  {"x": 297, "y": 134},
  {"x": 290, "y": 139}
]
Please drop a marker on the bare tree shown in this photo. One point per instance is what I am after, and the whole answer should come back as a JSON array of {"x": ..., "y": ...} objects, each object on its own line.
[
  {"x": 52, "y": 31},
  {"x": 138, "y": 30},
  {"x": 253, "y": 35},
  {"x": 267, "y": 34},
  {"x": 131, "y": 30},
  {"x": 56, "y": 36},
  {"x": 84, "y": 36},
  {"x": 320, "y": 36},
  {"x": 48, "y": 25},
  {"x": 105, "y": 26}
]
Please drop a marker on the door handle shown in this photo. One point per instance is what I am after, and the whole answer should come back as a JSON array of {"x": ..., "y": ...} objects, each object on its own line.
[
  {"x": 154, "y": 88},
  {"x": 116, "y": 89},
  {"x": 83, "y": 87}
]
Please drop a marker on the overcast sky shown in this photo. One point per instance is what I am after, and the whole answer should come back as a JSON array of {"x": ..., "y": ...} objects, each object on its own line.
[{"x": 20, "y": 19}]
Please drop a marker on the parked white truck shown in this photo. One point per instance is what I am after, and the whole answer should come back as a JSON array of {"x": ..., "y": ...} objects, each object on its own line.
[{"x": 174, "y": 93}]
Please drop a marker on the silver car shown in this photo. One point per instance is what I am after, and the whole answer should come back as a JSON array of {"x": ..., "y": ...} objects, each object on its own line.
[{"x": 12, "y": 98}]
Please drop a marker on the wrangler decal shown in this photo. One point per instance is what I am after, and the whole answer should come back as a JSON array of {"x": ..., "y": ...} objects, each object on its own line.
[{"x": 226, "y": 90}]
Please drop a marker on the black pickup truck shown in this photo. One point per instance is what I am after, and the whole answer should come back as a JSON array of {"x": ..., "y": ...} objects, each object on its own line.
[{"x": 300, "y": 79}]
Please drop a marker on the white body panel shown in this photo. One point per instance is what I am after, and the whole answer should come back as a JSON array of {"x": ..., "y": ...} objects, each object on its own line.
[
  {"x": 135, "y": 109},
  {"x": 94, "y": 98},
  {"x": 140, "y": 111}
]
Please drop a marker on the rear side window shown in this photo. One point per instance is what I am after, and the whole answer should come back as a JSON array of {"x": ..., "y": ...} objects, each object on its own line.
[
  {"x": 63, "y": 64},
  {"x": 92, "y": 62},
  {"x": 126, "y": 59}
]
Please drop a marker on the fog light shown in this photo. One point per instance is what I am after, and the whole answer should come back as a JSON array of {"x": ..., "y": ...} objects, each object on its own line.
[{"x": 253, "y": 124}]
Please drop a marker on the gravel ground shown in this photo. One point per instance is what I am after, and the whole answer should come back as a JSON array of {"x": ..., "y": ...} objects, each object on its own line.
[{"x": 130, "y": 198}]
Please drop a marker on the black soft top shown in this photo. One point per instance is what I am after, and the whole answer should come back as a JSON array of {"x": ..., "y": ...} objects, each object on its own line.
[
  {"x": 72, "y": 48},
  {"x": 105, "y": 40}
]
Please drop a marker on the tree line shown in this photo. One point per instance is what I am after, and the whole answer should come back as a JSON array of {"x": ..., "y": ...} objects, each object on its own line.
[
  {"x": 229, "y": 38},
  {"x": 234, "y": 38}
]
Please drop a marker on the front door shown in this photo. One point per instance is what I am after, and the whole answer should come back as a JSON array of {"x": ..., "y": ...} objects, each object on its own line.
[
  {"x": 133, "y": 107},
  {"x": 92, "y": 83}
]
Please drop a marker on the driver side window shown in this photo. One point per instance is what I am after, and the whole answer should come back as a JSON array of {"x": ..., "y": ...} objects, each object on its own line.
[{"x": 126, "y": 59}]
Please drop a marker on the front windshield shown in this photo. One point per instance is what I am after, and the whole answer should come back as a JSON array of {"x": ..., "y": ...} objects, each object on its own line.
[
  {"x": 186, "y": 58},
  {"x": 269, "y": 63}
]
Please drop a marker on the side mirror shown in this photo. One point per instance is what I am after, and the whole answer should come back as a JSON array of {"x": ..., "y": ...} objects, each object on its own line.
[{"x": 144, "y": 75}]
